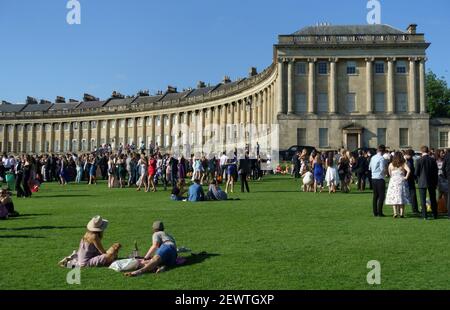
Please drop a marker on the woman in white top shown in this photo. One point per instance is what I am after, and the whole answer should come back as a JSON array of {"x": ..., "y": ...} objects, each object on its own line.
[
  {"x": 398, "y": 193},
  {"x": 111, "y": 172},
  {"x": 142, "y": 163}
]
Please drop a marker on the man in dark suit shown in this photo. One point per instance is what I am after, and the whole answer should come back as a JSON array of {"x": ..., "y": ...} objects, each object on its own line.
[
  {"x": 244, "y": 172},
  {"x": 412, "y": 181},
  {"x": 427, "y": 179},
  {"x": 446, "y": 171}
]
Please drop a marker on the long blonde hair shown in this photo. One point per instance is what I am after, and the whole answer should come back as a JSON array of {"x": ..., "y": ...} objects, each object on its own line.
[{"x": 91, "y": 236}]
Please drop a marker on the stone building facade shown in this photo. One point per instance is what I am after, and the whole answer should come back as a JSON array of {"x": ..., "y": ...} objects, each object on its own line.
[{"x": 328, "y": 87}]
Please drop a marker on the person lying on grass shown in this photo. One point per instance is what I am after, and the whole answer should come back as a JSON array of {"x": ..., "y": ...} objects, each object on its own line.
[
  {"x": 162, "y": 253},
  {"x": 91, "y": 252}
]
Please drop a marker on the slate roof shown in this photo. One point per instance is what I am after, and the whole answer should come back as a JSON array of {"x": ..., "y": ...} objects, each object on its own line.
[
  {"x": 349, "y": 30},
  {"x": 147, "y": 99},
  {"x": 11, "y": 108},
  {"x": 90, "y": 105},
  {"x": 37, "y": 107},
  {"x": 119, "y": 102},
  {"x": 64, "y": 106},
  {"x": 201, "y": 91}
]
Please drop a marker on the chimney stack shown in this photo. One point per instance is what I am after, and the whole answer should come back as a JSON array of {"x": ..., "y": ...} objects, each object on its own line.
[
  {"x": 412, "y": 29},
  {"x": 226, "y": 79},
  {"x": 252, "y": 72},
  {"x": 31, "y": 100},
  {"x": 117, "y": 95},
  {"x": 43, "y": 101},
  {"x": 201, "y": 84},
  {"x": 143, "y": 93},
  {"x": 171, "y": 89},
  {"x": 87, "y": 98},
  {"x": 73, "y": 101},
  {"x": 60, "y": 99}
]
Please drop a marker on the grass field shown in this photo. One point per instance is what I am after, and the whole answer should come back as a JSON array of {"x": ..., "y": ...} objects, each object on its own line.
[{"x": 273, "y": 238}]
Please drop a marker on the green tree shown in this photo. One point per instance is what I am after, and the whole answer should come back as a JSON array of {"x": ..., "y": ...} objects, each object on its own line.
[{"x": 438, "y": 95}]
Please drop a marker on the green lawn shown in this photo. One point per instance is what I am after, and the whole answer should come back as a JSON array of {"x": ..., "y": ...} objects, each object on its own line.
[{"x": 274, "y": 238}]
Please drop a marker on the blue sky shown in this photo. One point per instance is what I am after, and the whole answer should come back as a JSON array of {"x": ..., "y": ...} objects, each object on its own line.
[{"x": 149, "y": 44}]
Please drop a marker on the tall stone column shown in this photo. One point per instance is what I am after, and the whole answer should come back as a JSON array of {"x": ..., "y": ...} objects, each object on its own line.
[
  {"x": 311, "y": 86},
  {"x": 5, "y": 138},
  {"x": 171, "y": 130},
  {"x": 116, "y": 134},
  {"x": 42, "y": 136},
  {"x": 51, "y": 147},
  {"x": 369, "y": 84},
  {"x": 280, "y": 87},
  {"x": 107, "y": 133},
  {"x": 24, "y": 138},
  {"x": 14, "y": 138},
  {"x": 224, "y": 124},
  {"x": 217, "y": 137},
  {"x": 98, "y": 137},
  {"x": 412, "y": 86},
  {"x": 71, "y": 137},
  {"x": 265, "y": 106},
  {"x": 135, "y": 137},
  {"x": 423, "y": 98},
  {"x": 153, "y": 130},
  {"x": 144, "y": 132},
  {"x": 332, "y": 86},
  {"x": 261, "y": 104},
  {"x": 390, "y": 87},
  {"x": 291, "y": 87},
  {"x": 89, "y": 136},
  {"x": 61, "y": 137}
]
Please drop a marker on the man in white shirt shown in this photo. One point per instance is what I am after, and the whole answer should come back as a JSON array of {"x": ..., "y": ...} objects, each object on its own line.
[{"x": 223, "y": 161}]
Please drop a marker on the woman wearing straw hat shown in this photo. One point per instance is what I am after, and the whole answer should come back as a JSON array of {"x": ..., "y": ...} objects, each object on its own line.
[
  {"x": 91, "y": 252},
  {"x": 162, "y": 253}
]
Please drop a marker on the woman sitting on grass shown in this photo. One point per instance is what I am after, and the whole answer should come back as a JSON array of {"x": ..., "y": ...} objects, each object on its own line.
[
  {"x": 91, "y": 252},
  {"x": 178, "y": 191},
  {"x": 215, "y": 193},
  {"x": 7, "y": 203},
  {"x": 163, "y": 252}
]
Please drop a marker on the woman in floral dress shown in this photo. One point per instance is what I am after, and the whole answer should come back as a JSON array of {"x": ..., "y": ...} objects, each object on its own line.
[{"x": 398, "y": 194}]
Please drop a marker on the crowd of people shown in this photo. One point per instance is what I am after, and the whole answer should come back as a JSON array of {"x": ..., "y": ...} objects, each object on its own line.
[{"x": 407, "y": 171}]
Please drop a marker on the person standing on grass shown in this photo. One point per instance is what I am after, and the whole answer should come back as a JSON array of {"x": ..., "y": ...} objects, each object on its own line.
[
  {"x": 143, "y": 171},
  {"x": 318, "y": 174},
  {"x": 412, "y": 181},
  {"x": 446, "y": 174},
  {"x": 377, "y": 167},
  {"x": 427, "y": 178},
  {"x": 152, "y": 168},
  {"x": 111, "y": 172},
  {"x": 162, "y": 253},
  {"x": 244, "y": 171},
  {"x": 398, "y": 194},
  {"x": 93, "y": 171},
  {"x": 231, "y": 175},
  {"x": 331, "y": 176}
]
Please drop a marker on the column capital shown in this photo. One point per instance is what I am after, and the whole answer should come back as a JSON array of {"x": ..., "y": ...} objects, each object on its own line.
[
  {"x": 391, "y": 59},
  {"x": 422, "y": 59},
  {"x": 312, "y": 60},
  {"x": 413, "y": 59},
  {"x": 333, "y": 59},
  {"x": 370, "y": 59}
]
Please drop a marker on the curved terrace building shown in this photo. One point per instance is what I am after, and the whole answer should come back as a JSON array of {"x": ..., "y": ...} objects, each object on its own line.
[{"x": 328, "y": 86}]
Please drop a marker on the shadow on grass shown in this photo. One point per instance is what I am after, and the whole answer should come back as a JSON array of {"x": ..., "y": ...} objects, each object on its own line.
[
  {"x": 194, "y": 259},
  {"x": 40, "y": 228},
  {"x": 62, "y": 196},
  {"x": 21, "y": 237}
]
